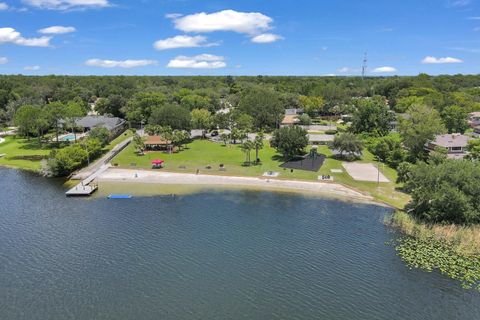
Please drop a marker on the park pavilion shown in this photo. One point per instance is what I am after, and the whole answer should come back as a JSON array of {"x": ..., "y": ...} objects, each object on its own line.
[{"x": 157, "y": 143}]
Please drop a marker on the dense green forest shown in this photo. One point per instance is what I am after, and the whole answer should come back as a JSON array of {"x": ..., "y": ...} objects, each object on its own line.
[{"x": 136, "y": 98}]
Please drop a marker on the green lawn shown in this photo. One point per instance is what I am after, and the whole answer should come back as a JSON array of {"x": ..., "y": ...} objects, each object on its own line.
[
  {"x": 125, "y": 135},
  {"x": 27, "y": 154},
  {"x": 201, "y": 153},
  {"x": 22, "y": 153}
]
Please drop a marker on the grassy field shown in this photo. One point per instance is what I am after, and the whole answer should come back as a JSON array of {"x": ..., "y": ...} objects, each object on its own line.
[
  {"x": 201, "y": 153},
  {"x": 23, "y": 153},
  {"x": 125, "y": 135},
  {"x": 27, "y": 154}
]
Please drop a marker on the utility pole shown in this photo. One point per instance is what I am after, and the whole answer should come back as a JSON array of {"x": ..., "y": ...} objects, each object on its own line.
[
  {"x": 378, "y": 174},
  {"x": 364, "y": 66}
]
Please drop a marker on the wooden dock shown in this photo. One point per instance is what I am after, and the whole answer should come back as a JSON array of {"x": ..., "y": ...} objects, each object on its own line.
[
  {"x": 87, "y": 187},
  {"x": 82, "y": 191}
]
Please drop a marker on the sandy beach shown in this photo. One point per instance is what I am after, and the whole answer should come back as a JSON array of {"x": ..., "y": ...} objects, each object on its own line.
[{"x": 170, "y": 178}]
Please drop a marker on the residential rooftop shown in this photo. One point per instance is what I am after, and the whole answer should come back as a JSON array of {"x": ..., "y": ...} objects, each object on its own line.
[
  {"x": 453, "y": 140},
  {"x": 99, "y": 121}
]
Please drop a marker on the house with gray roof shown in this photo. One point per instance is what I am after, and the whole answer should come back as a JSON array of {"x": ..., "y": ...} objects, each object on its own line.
[
  {"x": 113, "y": 124},
  {"x": 455, "y": 144},
  {"x": 90, "y": 122}
]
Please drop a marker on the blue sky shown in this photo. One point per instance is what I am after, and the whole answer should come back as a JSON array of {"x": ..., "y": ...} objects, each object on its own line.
[{"x": 247, "y": 37}]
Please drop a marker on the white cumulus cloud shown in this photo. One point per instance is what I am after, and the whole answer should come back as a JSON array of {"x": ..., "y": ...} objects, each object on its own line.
[
  {"x": 251, "y": 23},
  {"x": 434, "y": 60},
  {"x": 10, "y": 35},
  {"x": 119, "y": 64},
  {"x": 3, "y": 60},
  {"x": 183, "y": 42},
  {"x": 3, "y": 6},
  {"x": 57, "y": 30},
  {"x": 203, "y": 61},
  {"x": 31, "y": 68},
  {"x": 384, "y": 70},
  {"x": 67, "y": 4},
  {"x": 347, "y": 70},
  {"x": 266, "y": 38}
]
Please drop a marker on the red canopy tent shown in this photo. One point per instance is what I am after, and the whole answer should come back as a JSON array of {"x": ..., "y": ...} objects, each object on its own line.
[{"x": 157, "y": 163}]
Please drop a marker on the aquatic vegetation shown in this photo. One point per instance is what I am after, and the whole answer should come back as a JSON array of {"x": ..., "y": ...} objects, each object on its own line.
[
  {"x": 450, "y": 249},
  {"x": 429, "y": 254},
  {"x": 464, "y": 239}
]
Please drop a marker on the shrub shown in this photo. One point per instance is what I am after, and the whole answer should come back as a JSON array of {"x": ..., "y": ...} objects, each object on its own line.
[
  {"x": 447, "y": 192},
  {"x": 102, "y": 134}
]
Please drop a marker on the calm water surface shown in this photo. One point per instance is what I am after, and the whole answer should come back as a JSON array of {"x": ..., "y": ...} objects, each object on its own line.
[{"x": 227, "y": 255}]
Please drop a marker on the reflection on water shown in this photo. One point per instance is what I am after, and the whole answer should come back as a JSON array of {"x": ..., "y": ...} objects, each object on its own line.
[{"x": 211, "y": 255}]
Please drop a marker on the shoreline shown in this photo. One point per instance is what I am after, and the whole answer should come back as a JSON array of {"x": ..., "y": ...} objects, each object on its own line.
[
  {"x": 196, "y": 183},
  {"x": 328, "y": 189}
]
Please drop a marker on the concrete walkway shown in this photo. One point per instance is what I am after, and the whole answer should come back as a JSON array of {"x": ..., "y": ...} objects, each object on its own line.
[
  {"x": 90, "y": 173},
  {"x": 97, "y": 165}
]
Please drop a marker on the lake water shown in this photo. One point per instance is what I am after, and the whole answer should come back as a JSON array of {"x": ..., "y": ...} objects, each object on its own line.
[{"x": 212, "y": 255}]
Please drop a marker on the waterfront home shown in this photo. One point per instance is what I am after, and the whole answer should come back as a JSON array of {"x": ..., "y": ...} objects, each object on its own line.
[
  {"x": 113, "y": 124},
  {"x": 455, "y": 144},
  {"x": 157, "y": 143}
]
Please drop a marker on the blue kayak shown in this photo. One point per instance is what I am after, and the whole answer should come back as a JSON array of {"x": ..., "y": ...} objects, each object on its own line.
[{"x": 120, "y": 196}]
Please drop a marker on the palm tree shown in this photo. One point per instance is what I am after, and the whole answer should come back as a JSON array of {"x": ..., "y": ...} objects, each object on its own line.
[
  {"x": 235, "y": 134},
  {"x": 258, "y": 145},
  {"x": 224, "y": 138},
  {"x": 247, "y": 147},
  {"x": 139, "y": 143},
  {"x": 179, "y": 138}
]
